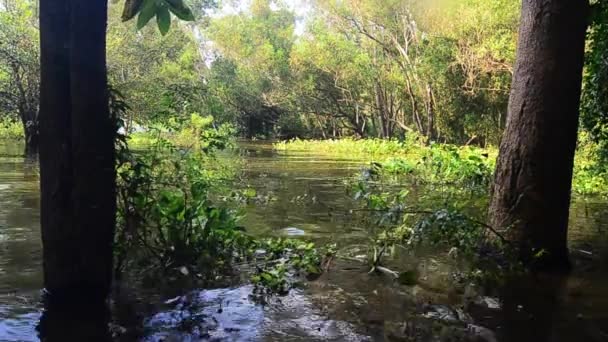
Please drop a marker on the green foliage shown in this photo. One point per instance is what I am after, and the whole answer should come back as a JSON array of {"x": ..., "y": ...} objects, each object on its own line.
[
  {"x": 590, "y": 168},
  {"x": 158, "y": 75},
  {"x": 252, "y": 73},
  {"x": 278, "y": 258},
  {"x": 468, "y": 167},
  {"x": 196, "y": 132},
  {"x": 19, "y": 65},
  {"x": 165, "y": 212},
  {"x": 594, "y": 113},
  {"x": 367, "y": 69},
  {"x": 443, "y": 222},
  {"x": 10, "y": 129},
  {"x": 373, "y": 149},
  {"x": 173, "y": 220},
  {"x": 162, "y": 9},
  {"x": 438, "y": 163}
]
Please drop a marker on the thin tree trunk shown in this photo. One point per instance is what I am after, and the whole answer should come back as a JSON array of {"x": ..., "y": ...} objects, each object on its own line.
[
  {"x": 531, "y": 190},
  {"x": 381, "y": 109},
  {"x": 430, "y": 109},
  {"x": 321, "y": 128},
  {"x": 414, "y": 103}
]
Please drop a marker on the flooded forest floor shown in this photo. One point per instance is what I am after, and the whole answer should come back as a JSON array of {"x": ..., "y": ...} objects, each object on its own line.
[{"x": 306, "y": 198}]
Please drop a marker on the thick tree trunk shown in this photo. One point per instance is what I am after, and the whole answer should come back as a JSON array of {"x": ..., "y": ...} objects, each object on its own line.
[
  {"x": 531, "y": 190},
  {"x": 94, "y": 189},
  {"x": 55, "y": 149},
  {"x": 77, "y": 176}
]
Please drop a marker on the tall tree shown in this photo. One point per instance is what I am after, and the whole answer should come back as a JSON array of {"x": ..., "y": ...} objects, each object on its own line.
[
  {"x": 77, "y": 177},
  {"x": 531, "y": 190},
  {"x": 77, "y": 161}
]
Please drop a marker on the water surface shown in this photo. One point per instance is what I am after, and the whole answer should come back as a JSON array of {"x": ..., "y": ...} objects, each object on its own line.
[{"x": 305, "y": 197}]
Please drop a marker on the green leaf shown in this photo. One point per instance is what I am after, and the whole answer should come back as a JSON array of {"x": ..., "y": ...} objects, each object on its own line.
[
  {"x": 180, "y": 10},
  {"x": 163, "y": 19},
  {"x": 132, "y": 7},
  {"x": 147, "y": 12}
]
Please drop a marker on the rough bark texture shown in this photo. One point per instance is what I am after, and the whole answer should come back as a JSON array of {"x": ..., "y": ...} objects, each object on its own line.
[
  {"x": 531, "y": 190},
  {"x": 76, "y": 153}
]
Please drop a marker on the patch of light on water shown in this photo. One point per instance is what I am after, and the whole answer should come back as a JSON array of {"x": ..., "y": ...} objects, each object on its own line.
[{"x": 230, "y": 314}]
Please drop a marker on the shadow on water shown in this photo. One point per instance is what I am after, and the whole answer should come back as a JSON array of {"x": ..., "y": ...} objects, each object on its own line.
[{"x": 304, "y": 196}]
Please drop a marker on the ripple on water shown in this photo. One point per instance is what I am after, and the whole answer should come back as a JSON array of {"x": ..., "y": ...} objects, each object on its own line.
[{"x": 18, "y": 323}]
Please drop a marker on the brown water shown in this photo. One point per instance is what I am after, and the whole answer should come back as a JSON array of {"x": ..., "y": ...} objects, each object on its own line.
[{"x": 307, "y": 198}]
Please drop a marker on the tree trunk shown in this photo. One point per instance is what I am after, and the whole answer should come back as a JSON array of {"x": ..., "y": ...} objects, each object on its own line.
[
  {"x": 94, "y": 187},
  {"x": 77, "y": 177},
  {"x": 29, "y": 120},
  {"x": 430, "y": 113},
  {"x": 414, "y": 103},
  {"x": 531, "y": 190},
  {"x": 55, "y": 149},
  {"x": 380, "y": 109}
]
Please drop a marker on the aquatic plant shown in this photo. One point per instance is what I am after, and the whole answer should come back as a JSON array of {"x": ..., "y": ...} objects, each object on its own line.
[
  {"x": 174, "y": 221},
  {"x": 418, "y": 161},
  {"x": 278, "y": 258}
]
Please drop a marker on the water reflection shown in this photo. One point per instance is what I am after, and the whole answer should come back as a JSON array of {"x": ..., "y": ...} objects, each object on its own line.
[{"x": 20, "y": 247}]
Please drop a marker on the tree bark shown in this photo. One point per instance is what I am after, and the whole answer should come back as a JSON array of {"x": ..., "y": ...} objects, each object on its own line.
[
  {"x": 77, "y": 176},
  {"x": 94, "y": 188},
  {"x": 430, "y": 113},
  {"x": 532, "y": 184},
  {"x": 29, "y": 119}
]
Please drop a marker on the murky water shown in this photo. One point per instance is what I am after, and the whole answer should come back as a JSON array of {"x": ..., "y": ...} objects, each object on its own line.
[{"x": 306, "y": 197}]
